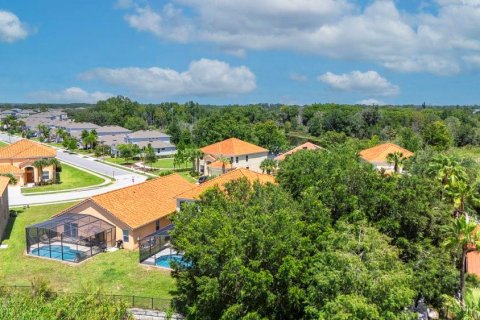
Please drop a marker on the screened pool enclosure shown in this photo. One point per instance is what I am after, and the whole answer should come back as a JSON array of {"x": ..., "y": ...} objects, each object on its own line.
[{"x": 70, "y": 237}]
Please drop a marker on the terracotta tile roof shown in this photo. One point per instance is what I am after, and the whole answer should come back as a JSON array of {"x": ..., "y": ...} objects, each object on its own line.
[
  {"x": 25, "y": 149},
  {"x": 8, "y": 168},
  {"x": 4, "y": 181},
  {"x": 379, "y": 153},
  {"x": 143, "y": 203},
  {"x": 473, "y": 263},
  {"x": 232, "y": 147},
  {"x": 219, "y": 164},
  {"x": 220, "y": 181},
  {"x": 305, "y": 146}
]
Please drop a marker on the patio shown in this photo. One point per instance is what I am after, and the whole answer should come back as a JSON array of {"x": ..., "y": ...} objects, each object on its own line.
[{"x": 70, "y": 237}]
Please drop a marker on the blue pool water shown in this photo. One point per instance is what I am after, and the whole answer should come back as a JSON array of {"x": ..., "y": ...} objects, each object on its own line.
[
  {"x": 164, "y": 261},
  {"x": 69, "y": 254}
]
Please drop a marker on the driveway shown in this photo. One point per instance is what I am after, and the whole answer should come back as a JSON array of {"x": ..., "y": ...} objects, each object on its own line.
[{"x": 123, "y": 179}]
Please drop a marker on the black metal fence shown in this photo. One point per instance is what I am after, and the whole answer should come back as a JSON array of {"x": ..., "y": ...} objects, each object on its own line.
[{"x": 131, "y": 301}]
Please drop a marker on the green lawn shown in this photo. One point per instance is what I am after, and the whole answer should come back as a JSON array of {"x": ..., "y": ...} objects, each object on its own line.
[
  {"x": 120, "y": 161},
  {"x": 114, "y": 272},
  {"x": 71, "y": 178},
  {"x": 167, "y": 163},
  {"x": 2, "y": 144},
  {"x": 187, "y": 176}
]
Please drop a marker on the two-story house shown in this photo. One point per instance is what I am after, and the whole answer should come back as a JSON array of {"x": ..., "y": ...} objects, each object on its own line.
[{"x": 229, "y": 154}]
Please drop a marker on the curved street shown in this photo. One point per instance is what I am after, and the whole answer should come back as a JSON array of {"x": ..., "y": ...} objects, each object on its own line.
[{"x": 123, "y": 178}]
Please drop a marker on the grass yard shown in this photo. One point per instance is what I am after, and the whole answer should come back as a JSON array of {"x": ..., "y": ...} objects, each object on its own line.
[
  {"x": 167, "y": 163},
  {"x": 71, "y": 178},
  {"x": 3, "y": 144},
  {"x": 115, "y": 272},
  {"x": 119, "y": 161},
  {"x": 187, "y": 176}
]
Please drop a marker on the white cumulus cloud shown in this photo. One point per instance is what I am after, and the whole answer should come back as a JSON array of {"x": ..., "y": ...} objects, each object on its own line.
[
  {"x": 11, "y": 28},
  {"x": 371, "y": 102},
  {"x": 378, "y": 32},
  {"x": 204, "y": 77},
  {"x": 368, "y": 83},
  {"x": 70, "y": 95}
]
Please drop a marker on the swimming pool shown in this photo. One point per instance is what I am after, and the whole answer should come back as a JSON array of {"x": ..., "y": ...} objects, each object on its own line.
[
  {"x": 165, "y": 261},
  {"x": 55, "y": 252}
]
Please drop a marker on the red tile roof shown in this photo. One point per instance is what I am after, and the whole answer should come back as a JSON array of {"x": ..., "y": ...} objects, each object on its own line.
[
  {"x": 8, "y": 168},
  {"x": 4, "y": 181},
  {"x": 305, "y": 146},
  {"x": 232, "y": 147},
  {"x": 142, "y": 203},
  {"x": 379, "y": 153},
  {"x": 473, "y": 263},
  {"x": 25, "y": 149},
  {"x": 220, "y": 181}
]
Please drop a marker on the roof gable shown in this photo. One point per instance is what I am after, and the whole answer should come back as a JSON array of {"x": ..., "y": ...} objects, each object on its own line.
[
  {"x": 305, "y": 146},
  {"x": 143, "y": 203},
  {"x": 379, "y": 153},
  {"x": 220, "y": 181},
  {"x": 25, "y": 149},
  {"x": 232, "y": 147}
]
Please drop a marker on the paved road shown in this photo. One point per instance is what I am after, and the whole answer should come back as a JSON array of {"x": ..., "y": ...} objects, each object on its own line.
[{"x": 123, "y": 178}]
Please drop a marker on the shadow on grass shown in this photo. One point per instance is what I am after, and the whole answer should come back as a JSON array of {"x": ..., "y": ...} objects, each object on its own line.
[{"x": 11, "y": 222}]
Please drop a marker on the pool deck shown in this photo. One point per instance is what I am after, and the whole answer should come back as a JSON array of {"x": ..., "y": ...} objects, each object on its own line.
[{"x": 165, "y": 252}]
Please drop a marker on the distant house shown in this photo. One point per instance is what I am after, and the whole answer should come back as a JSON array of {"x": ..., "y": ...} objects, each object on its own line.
[
  {"x": 161, "y": 148},
  {"x": 50, "y": 115},
  {"x": 240, "y": 154},
  {"x": 113, "y": 141},
  {"x": 305, "y": 146},
  {"x": 220, "y": 181},
  {"x": 112, "y": 131},
  {"x": 147, "y": 136},
  {"x": 135, "y": 211},
  {"x": 4, "y": 212},
  {"x": 75, "y": 128},
  {"x": 18, "y": 158},
  {"x": 378, "y": 155}
]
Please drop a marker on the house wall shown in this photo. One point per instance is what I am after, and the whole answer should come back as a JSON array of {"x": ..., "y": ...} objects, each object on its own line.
[
  {"x": 165, "y": 151},
  {"x": 21, "y": 179},
  {"x": 4, "y": 212},
  {"x": 92, "y": 209},
  {"x": 150, "y": 139},
  {"x": 253, "y": 163}
]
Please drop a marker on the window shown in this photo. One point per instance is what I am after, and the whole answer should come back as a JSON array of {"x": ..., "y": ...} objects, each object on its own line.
[
  {"x": 125, "y": 235},
  {"x": 246, "y": 158},
  {"x": 157, "y": 225},
  {"x": 45, "y": 175},
  {"x": 231, "y": 159},
  {"x": 236, "y": 159}
]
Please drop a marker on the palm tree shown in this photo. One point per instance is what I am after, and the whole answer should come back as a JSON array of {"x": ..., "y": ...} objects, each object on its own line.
[
  {"x": 13, "y": 180},
  {"x": 460, "y": 193},
  {"x": 56, "y": 164},
  {"x": 194, "y": 155},
  {"x": 469, "y": 310},
  {"x": 40, "y": 164},
  {"x": 397, "y": 159},
  {"x": 59, "y": 133},
  {"x": 462, "y": 235},
  {"x": 268, "y": 165},
  {"x": 446, "y": 170},
  {"x": 225, "y": 161}
]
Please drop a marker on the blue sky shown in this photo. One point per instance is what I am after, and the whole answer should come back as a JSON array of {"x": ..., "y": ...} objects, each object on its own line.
[{"x": 225, "y": 52}]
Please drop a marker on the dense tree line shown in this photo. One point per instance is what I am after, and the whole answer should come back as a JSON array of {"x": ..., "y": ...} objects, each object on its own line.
[
  {"x": 335, "y": 239},
  {"x": 267, "y": 125}
]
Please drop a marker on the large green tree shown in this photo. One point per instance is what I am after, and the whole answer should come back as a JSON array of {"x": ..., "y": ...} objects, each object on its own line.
[{"x": 254, "y": 253}]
